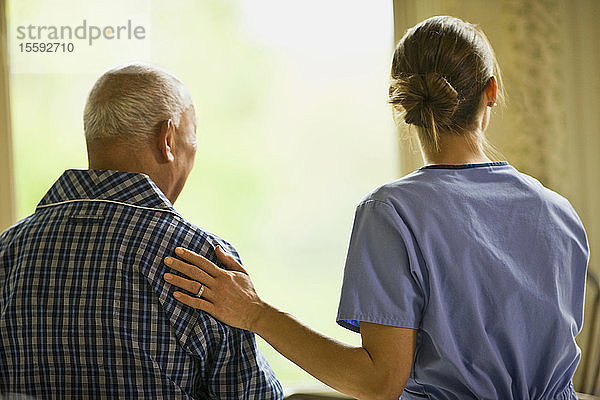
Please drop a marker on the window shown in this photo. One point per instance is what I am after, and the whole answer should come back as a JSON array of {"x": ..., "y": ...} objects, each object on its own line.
[{"x": 293, "y": 131}]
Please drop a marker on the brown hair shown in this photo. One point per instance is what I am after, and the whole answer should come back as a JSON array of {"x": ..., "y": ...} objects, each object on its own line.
[{"x": 440, "y": 69}]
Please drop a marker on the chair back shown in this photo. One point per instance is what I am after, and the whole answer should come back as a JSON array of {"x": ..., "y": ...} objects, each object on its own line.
[{"x": 591, "y": 355}]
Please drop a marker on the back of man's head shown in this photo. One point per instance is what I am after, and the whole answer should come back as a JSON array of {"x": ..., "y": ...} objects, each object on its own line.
[
  {"x": 140, "y": 118},
  {"x": 130, "y": 102}
]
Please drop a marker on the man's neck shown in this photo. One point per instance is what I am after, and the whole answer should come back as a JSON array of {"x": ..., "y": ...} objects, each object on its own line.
[{"x": 119, "y": 156}]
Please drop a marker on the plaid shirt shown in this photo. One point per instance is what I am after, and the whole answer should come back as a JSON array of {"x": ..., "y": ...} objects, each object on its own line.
[{"x": 85, "y": 312}]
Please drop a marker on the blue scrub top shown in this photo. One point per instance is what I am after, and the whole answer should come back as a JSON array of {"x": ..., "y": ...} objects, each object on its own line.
[{"x": 488, "y": 265}]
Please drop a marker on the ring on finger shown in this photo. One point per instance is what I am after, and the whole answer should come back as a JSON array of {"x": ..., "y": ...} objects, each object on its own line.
[{"x": 199, "y": 294}]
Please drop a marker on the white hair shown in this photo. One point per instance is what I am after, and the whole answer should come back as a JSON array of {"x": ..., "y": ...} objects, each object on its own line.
[{"x": 132, "y": 101}]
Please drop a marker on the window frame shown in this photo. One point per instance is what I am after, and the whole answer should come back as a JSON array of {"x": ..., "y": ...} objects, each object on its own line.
[{"x": 7, "y": 188}]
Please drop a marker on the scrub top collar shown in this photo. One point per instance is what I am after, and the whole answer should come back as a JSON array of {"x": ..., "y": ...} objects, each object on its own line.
[{"x": 464, "y": 166}]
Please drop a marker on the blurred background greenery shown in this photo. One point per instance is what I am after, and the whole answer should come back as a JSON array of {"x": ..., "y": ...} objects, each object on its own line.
[{"x": 293, "y": 126}]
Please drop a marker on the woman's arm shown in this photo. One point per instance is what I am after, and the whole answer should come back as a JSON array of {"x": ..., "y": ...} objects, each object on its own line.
[{"x": 378, "y": 369}]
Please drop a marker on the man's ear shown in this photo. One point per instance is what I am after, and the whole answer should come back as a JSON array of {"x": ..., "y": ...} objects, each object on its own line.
[{"x": 166, "y": 140}]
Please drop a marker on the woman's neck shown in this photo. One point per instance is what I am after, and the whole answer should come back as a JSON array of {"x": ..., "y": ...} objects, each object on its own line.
[{"x": 456, "y": 149}]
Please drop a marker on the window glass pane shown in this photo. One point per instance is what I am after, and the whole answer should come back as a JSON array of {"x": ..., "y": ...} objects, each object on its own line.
[{"x": 293, "y": 130}]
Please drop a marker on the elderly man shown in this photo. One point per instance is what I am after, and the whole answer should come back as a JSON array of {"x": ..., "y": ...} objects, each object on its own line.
[{"x": 84, "y": 311}]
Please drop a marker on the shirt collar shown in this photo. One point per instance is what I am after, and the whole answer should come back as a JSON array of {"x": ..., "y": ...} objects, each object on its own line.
[{"x": 124, "y": 187}]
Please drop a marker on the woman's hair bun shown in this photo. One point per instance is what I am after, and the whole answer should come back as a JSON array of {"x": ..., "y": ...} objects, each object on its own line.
[{"x": 428, "y": 99}]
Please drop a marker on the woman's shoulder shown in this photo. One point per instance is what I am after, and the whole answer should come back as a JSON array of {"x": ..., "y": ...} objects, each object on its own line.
[
  {"x": 404, "y": 188},
  {"x": 545, "y": 193}
]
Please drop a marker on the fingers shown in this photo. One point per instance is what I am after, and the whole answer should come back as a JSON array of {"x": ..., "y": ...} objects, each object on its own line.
[
  {"x": 195, "y": 302},
  {"x": 189, "y": 285},
  {"x": 228, "y": 260},
  {"x": 198, "y": 261},
  {"x": 189, "y": 270}
]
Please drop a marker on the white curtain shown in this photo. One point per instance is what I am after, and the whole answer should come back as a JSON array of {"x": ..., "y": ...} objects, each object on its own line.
[{"x": 549, "y": 52}]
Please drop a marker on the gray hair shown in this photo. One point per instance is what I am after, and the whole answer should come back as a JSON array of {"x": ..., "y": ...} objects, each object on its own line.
[{"x": 132, "y": 101}]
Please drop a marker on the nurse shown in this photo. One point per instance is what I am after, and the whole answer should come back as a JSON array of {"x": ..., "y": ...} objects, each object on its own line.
[{"x": 465, "y": 278}]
